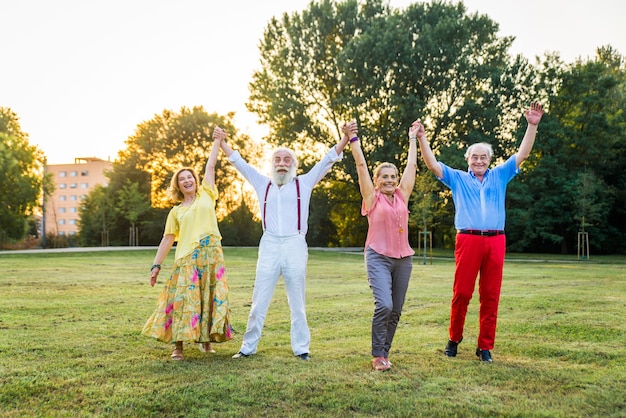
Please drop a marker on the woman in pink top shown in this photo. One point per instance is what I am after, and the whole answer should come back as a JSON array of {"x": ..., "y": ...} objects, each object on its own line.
[{"x": 388, "y": 255}]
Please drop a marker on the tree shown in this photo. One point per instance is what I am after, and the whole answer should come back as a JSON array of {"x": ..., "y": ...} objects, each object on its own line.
[
  {"x": 158, "y": 147},
  {"x": 21, "y": 165},
  {"x": 97, "y": 215},
  {"x": 577, "y": 168},
  {"x": 239, "y": 227},
  {"x": 132, "y": 205},
  {"x": 337, "y": 61}
]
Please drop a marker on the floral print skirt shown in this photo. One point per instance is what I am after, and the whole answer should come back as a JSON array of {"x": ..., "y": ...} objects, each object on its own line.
[{"x": 193, "y": 305}]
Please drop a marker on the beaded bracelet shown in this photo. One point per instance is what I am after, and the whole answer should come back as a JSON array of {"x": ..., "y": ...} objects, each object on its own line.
[{"x": 155, "y": 266}]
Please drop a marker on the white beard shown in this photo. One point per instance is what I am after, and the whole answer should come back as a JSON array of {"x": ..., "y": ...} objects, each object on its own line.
[{"x": 281, "y": 178}]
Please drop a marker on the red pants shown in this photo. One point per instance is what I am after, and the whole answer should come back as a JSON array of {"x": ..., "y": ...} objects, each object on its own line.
[{"x": 474, "y": 254}]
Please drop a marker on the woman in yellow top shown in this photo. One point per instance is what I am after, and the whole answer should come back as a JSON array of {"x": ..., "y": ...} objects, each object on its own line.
[{"x": 193, "y": 305}]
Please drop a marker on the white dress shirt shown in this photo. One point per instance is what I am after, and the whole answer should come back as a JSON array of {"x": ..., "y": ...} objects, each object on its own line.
[{"x": 281, "y": 217}]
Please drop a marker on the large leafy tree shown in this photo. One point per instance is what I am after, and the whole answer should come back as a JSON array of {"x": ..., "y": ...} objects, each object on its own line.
[
  {"x": 160, "y": 146},
  {"x": 337, "y": 61},
  {"x": 578, "y": 170},
  {"x": 21, "y": 165}
]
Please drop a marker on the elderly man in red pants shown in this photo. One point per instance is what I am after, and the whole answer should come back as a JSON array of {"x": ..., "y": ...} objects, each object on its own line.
[{"x": 479, "y": 195}]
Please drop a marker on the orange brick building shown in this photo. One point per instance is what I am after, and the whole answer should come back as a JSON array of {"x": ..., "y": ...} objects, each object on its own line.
[{"x": 72, "y": 182}]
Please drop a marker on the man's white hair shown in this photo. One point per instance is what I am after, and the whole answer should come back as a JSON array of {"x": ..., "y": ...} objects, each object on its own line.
[
  {"x": 288, "y": 151},
  {"x": 485, "y": 145}
]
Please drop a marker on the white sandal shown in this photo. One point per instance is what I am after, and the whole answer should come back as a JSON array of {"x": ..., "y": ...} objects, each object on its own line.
[{"x": 206, "y": 348}]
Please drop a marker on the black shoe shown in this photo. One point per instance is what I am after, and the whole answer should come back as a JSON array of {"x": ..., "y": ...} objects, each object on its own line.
[
  {"x": 304, "y": 356},
  {"x": 451, "y": 348},
  {"x": 240, "y": 355},
  {"x": 484, "y": 355}
]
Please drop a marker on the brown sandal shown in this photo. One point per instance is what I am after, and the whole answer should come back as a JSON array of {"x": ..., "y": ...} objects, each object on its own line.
[{"x": 177, "y": 354}]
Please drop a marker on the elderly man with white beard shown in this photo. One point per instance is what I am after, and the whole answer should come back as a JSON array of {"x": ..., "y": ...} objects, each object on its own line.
[{"x": 284, "y": 201}]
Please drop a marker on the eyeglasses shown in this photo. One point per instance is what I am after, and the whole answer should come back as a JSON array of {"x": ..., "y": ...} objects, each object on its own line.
[{"x": 479, "y": 158}]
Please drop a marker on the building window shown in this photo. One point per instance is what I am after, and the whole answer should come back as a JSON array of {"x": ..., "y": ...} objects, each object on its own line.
[
  {"x": 61, "y": 210},
  {"x": 73, "y": 185},
  {"x": 61, "y": 221},
  {"x": 62, "y": 198},
  {"x": 73, "y": 197},
  {"x": 84, "y": 185},
  {"x": 62, "y": 173},
  {"x": 61, "y": 233},
  {"x": 84, "y": 173},
  {"x": 72, "y": 221},
  {"x": 62, "y": 185},
  {"x": 73, "y": 173},
  {"x": 73, "y": 210}
]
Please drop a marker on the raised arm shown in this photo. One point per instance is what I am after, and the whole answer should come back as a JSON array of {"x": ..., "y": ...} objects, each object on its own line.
[
  {"x": 533, "y": 117},
  {"x": 366, "y": 186},
  {"x": 408, "y": 176},
  {"x": 219, "y": 135},
  {"x": 427, "y": 152}
]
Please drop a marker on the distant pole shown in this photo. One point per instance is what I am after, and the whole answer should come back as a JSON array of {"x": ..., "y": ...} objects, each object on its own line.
[
  {"x": 583, "y": 241},
  {"x": 43, "y": 209},
  {"x": 425, "y": 243}
]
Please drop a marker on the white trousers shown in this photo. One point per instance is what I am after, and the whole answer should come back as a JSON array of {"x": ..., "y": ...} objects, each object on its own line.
[{"x": 286, "y": 256}]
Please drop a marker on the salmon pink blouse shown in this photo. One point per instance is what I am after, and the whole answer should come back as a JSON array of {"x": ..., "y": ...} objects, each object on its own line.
[{"x": 388, "y": 226}]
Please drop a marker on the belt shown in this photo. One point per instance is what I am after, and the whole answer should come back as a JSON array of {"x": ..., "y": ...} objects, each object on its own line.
[{"x": 488, "y": 233}]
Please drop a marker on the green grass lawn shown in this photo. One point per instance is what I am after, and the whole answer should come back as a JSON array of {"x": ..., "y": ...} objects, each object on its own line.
[{"x": 70, "y": 343}]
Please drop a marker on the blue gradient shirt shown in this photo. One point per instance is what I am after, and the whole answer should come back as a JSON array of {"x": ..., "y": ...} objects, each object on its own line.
[{"x": 479, "y": 205}]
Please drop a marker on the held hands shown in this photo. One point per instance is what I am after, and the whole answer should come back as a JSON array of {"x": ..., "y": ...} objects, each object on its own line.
[
  {"x": 350, "y": 129},
  {"x": 416, "y": 130},
  {"x": 534, "y": 114},
  {"x": 219, "y": 134}
]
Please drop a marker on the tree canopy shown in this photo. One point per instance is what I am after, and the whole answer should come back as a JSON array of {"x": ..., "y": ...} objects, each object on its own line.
[
  {"x": 577, "y": 172},
  {"x": 384, "y": 67},
  {"x": 142, "y": 173},
  {"x": 21, "y": 165}
]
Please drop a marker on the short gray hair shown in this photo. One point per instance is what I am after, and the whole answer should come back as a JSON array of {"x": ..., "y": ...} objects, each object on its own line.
[{"x": 485, "y": 145}]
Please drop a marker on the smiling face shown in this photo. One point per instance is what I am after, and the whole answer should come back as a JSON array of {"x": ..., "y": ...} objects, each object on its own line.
[
  {"x": 478, "y": 159},
  {"x": 386, "y": 179},
  {"x": 187, "y": 183},
  {"x": 283, "y": 167}
]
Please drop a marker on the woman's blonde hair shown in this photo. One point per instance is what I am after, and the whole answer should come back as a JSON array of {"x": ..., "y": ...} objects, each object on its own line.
[
  {"x": 385, "y": 165},
  {"x": 173, "y": 191}
]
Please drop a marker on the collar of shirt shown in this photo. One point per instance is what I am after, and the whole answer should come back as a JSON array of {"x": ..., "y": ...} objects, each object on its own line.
[{"x": 471, "y": 173}]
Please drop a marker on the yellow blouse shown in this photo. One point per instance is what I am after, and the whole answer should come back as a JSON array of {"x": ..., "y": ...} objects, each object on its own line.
[{"x": 189, "y": 224}]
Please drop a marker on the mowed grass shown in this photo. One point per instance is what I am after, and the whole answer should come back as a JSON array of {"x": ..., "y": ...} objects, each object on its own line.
[{"x": 70, "y": 343}]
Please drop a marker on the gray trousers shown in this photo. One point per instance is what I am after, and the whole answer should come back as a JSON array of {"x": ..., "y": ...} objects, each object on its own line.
[{"x": 389, "y": 280}]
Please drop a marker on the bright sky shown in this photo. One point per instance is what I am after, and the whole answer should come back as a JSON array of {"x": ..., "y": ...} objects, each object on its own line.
[{"x": 81, "y": 75}]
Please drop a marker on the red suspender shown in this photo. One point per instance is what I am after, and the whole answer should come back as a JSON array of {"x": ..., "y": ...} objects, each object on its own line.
[
  {"x": 267, "y": 190},
  {"x": 298, "y": 192},
  {"x": 265, "y": 202}
]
